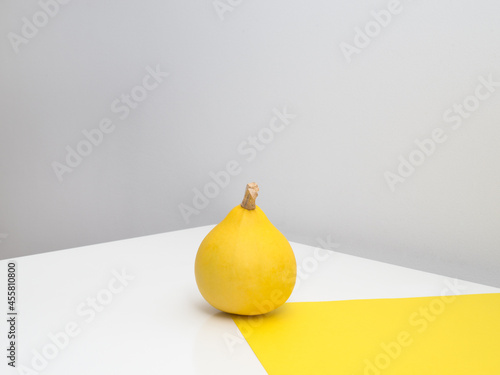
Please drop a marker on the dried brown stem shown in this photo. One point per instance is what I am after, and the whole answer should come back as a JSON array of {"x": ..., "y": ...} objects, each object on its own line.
[{"x": 251, "y": 193}]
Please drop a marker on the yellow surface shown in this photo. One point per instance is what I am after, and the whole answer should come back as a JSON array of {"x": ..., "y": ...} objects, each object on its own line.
[
  {"x": 245, "y": 265},
  {"x": 453, "y": 335}
]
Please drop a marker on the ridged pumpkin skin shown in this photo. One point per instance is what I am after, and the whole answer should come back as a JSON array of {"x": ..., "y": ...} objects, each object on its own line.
[{"x": 245, "y": 265}]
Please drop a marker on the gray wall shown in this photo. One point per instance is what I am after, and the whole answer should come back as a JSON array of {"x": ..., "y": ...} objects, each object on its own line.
[{"x": 355, "y": 104}]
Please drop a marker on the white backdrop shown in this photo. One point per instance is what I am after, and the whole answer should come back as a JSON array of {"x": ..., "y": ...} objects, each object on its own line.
[{"x": 371, "y": 124}]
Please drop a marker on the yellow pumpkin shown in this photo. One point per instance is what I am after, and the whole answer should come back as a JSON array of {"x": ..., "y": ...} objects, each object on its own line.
[{"x": 245, "y": 265}]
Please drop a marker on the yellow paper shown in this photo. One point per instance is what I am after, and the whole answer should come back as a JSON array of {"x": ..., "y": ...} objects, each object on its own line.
[{"x": 449, "y": 335}]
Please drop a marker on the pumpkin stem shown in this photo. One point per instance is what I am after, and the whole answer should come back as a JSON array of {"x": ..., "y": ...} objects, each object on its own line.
[{"x": 251, "y": 193}]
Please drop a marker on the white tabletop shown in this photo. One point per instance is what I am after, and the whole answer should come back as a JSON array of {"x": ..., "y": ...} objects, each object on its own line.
[{"x": 148, "y": 316}]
